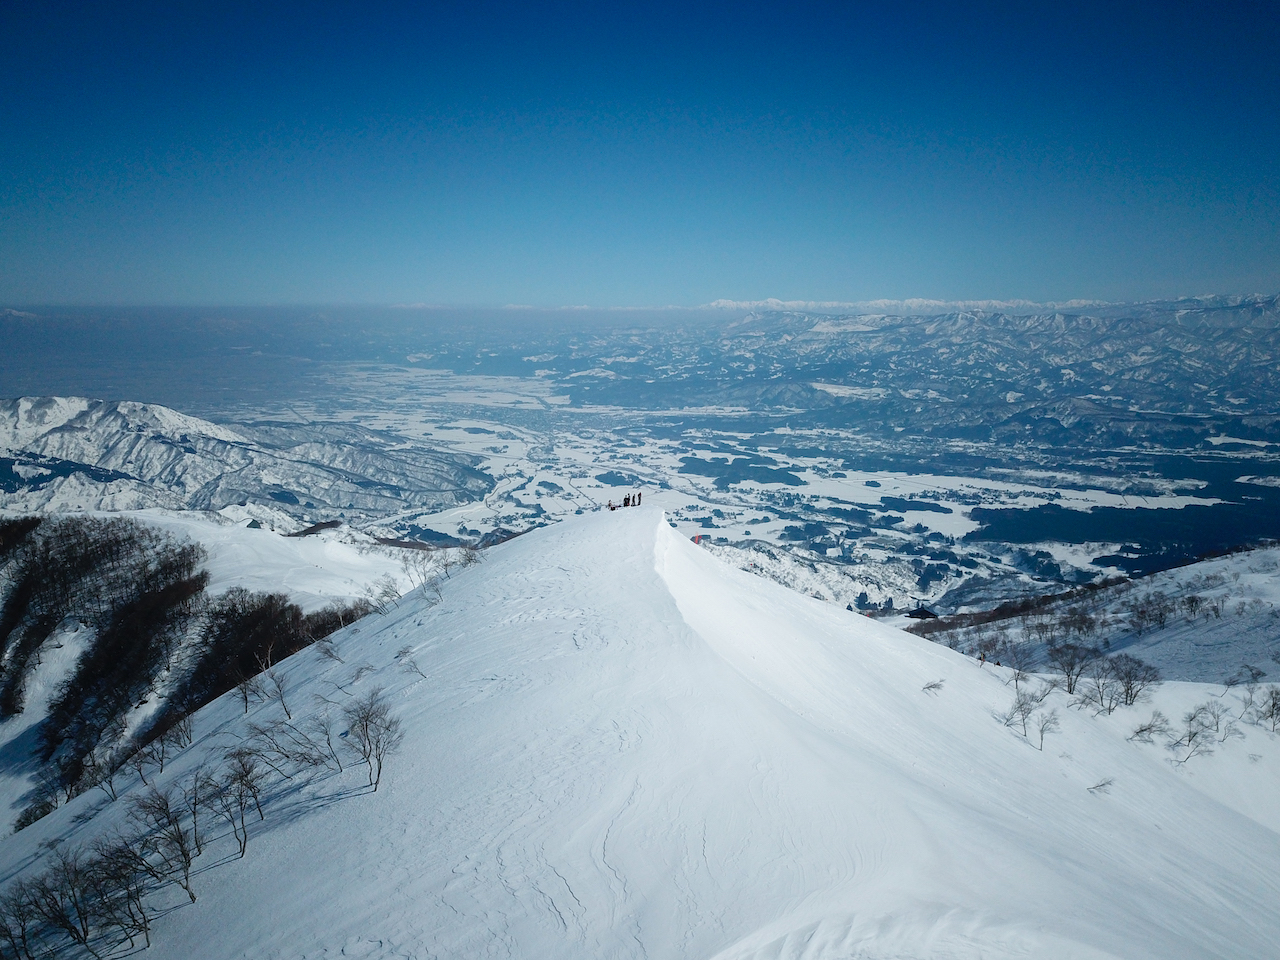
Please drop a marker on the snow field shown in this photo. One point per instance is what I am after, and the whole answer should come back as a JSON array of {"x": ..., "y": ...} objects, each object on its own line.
[
  {"x": 617, "y": 746},
  {"x": 314, "y": 571}
]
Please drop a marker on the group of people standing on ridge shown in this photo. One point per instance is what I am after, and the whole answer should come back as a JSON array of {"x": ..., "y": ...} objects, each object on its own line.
[{"x": 630, "y": 500}]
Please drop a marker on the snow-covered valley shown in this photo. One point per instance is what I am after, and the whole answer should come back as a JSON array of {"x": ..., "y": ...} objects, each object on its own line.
[
  {"x": 692, "y": 729},
  {"x": 951, "y": 455},
  {"x": 616, "y": 745}
]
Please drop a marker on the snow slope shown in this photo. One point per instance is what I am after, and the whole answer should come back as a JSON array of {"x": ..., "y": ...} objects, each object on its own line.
[
  {"x": 1232, "y": 628},
  {"x": 1243, "y": 589},
  {"x": 617, "y": 746},
  {"x": 331, "y": 566}
]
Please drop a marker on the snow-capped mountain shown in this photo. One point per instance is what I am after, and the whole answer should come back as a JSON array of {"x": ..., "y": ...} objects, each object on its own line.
[
  {"x": 614, "y": 745},
  {"x": 73, "y": 453}
]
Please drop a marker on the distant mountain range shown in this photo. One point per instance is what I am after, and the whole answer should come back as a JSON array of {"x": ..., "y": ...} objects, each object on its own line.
[
  {"x": 1165, "y": 373},
  {"x": 73, "y": 453}
]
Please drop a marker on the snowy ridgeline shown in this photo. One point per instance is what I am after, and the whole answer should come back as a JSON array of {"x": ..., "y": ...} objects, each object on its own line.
[{"x": 612, "y": 744}]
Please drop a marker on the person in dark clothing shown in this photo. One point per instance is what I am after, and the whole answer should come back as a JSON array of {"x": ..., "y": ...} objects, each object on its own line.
[
  {"x": 626, "y": 501},
  {"x": 637, "y": 499}
]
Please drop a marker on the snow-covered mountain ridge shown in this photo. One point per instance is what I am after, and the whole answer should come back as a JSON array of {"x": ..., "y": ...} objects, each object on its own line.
[
  {"x": 616, "y": 746},
  {"x": 78, "y": 454}
]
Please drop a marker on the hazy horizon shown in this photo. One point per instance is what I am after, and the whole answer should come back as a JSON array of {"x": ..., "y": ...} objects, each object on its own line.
[{"x": 904, "y": 306}]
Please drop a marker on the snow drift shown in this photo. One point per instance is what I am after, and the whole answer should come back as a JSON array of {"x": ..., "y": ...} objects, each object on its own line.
[{"x": 616, "y": 746}]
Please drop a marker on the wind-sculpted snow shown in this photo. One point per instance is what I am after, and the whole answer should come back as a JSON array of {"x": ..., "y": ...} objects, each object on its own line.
[
  {"x": 71, "y": 453},
  {"x": 617, "y": 746}
]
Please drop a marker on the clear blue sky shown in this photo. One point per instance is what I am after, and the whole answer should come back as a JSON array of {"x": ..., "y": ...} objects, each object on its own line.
[{"x": 616, "y": 154}]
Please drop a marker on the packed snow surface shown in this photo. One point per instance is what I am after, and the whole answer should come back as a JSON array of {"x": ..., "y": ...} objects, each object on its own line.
[{"x": 618, "y": 746}]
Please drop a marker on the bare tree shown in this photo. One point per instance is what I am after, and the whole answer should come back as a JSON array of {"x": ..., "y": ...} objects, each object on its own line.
[
  {"x": 1045, "y": 722},
  {"x": 236, "y": 791},
  {"x": 1160, "y": 608},
  {"x": 166, "y": 836},
  {"x": 121, "y": 874},
  {"x": 195, "y": 797},
  {"x": 374, "y": 731},
  {"x": 249, "y": 687},
  {"x": 244, "y": 772},
  {"x": 1020, "y": 657},
  {"x": 232, "y": 799},
  {"x": 156, "y": 752},
  {"x": 1220, "y": 720},
  {"x": 419, "y": 566},
  {"x": 281, "y": 745},
  {"x": 1026, "y": 703},
  {"x": 1197, "y": 735},
  {"x": 179, "y": 733},
  {"x": 274, "y": 685},
  {"x": 447, "y": 562},
  {"x": 408, "y": 664},
  {"x": 1134, "y": 676},
  {"x": 1020, "y": 713},
  {"x": 1101, "y": 688},
  {"x": 49, "y": 785},
  {"x": 63, "y": 897},
  {"x": 18, "y": 920},
  {"x": 1139, "y": 618},
  {"x": 327, "y": 650},
  {"x": 1265, "y": 711},
  {"x": 1249, "y": 676},
  {"x": 383, "y": 593},
  {"x": 1157, "y": 726},
  {"x": 321, "y": 725},
  {"x": 100, "y": 773},
  {"x": 1070, "y": 659},
  {"x": 140, "y": 760},
  {"x": 1078, "y": 621}
]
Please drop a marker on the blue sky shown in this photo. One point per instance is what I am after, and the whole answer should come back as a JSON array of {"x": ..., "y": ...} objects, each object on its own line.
[{"x": 636, "y": 155}]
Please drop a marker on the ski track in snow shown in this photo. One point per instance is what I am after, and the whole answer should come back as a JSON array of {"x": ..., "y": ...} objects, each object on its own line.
[{"x": 624, "y": 748}]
